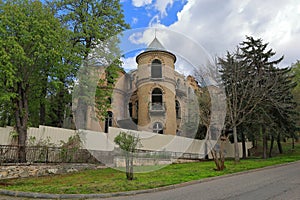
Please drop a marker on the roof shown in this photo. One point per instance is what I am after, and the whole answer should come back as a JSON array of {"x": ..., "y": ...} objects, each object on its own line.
[{"x": 155, "y": 45}]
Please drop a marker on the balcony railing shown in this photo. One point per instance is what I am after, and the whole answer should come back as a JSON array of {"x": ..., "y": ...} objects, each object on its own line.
[{"x": 157, "y": 108}]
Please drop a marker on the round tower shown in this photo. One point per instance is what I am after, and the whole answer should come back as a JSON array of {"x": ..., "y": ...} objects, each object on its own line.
[{"x": 156, "y": 86}]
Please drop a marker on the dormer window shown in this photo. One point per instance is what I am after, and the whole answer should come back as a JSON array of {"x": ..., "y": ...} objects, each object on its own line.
[{"x": 156, "y": 69}]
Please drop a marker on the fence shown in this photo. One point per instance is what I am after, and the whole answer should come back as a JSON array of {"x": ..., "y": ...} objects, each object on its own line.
[{"x": 44, "y": 154}]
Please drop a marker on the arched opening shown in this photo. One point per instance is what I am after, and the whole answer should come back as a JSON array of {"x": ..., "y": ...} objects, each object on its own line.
[
  {"x": 130, "y": 109},
  {"x": 108, "y": 121},
  {"x": 157, "y": 99},
  {"x": 156, "y": 69},
  {"x": 158, "y": 128},
  {"x": 137, "y": 110},
  {"x": 178, "y": 110},
  {"x": 178, "y": 83},
  {"x": 109, "y": 101}
]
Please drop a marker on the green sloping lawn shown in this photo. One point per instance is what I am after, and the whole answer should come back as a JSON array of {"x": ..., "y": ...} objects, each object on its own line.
[{"x": 110, "y": 180}]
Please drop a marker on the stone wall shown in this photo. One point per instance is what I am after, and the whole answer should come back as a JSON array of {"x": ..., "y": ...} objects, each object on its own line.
[
  {"x": 35, "y": 170},
  {"x": 120, "y": 162}
]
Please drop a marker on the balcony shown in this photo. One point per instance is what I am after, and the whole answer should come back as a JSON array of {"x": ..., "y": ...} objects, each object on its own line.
[{"x": 156, "y": 108}]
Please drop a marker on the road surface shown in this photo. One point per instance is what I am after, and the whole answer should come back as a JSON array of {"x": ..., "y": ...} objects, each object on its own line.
[{"x": 280, "y": 183}]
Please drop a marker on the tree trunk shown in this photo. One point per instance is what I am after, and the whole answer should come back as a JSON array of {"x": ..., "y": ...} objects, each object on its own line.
[
  {"x": 265, "y": 142},
  {"x": 244, "y": 146},
  {"x": 60, "y": 108},
  {"x": 21, "y": 114},
  {"x": 43, "y": 104},
  {"x": 271, "y": 146},
  {"x": 42, "y": 112},
  {"x": 279, "y": 144},
  {"x": 236, "y": 146},
  {"x": 206, "y": 151},
  {"x": 129, "y": 167}
]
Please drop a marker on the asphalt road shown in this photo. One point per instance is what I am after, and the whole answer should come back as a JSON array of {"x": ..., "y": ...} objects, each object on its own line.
[{"x": 278, "y": 183}]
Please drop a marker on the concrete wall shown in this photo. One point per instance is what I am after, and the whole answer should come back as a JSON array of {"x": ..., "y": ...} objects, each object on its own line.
[
  {"x": 43, "y": 133},
  {"x": 99, "y": 141}
]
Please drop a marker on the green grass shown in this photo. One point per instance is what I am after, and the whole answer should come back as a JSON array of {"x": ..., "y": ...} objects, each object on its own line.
[{"x": 110, "y": 180}]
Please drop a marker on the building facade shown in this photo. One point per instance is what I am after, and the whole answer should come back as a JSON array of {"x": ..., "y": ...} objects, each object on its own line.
[{"x": 154, "y": 97}]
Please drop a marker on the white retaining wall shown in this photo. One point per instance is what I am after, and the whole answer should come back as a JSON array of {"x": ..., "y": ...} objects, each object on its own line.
[
  {"x": 43, "y": 133},
  {"x": 104, "y": 142}
]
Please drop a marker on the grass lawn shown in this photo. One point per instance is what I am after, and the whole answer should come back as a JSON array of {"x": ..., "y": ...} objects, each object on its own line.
[{"x": 110, "y": 180}]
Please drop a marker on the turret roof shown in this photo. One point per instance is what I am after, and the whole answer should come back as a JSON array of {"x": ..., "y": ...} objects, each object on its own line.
[{"x": 155, "y": 45}]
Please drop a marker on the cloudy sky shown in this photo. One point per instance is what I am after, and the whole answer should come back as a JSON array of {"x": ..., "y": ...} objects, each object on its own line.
[{"x": 219, "y": 25}]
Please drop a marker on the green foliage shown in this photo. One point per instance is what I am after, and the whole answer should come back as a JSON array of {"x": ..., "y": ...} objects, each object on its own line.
[
  {"x": 69, "y": 148},
  {"x": 33, "y": 43},
  {"x": 32, "y": 141},
  {"x": 128, "y": 143},
  {"x": 92, "y": 23},
  {"x": 104, "y": 90},
  {"x": 295, "y": 72},
  {"x": 257, "y": 91},
  {"x": 42, "y": 46}
]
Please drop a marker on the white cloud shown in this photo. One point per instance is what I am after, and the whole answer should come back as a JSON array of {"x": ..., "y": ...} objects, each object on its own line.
[
  {"x": 221, "y": 25},
  {"x": 129, "y": 63},
  {"x": 136, "y": 38},
  {"x": 162, "y": 5},
  {"x": 140, "y": 3},
  {"x": 154, "y": 21},
  {"x": 159, "y": 5}
]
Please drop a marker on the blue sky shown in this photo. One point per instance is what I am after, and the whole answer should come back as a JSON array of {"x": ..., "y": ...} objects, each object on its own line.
[
  {"x": 142, "y": 16},
  {"x": 219, "y": 25}
]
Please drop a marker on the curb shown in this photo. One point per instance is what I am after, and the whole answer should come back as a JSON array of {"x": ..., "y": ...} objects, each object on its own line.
[{"x": 129, "y": 193}]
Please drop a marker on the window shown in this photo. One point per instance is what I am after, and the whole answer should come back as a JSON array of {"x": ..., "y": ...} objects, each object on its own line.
[
  {"x": 108, "y": 121},
  {"x": 130, "y": 108},
  {"x": 178, "y": 83},
  {"x": 156, "y": 69},
  {"x": 137, "y": 109},
  {"x": 157, "y": 99},
  {"x": 158, "y": 128},
  {"x": 109, "y": 101},
  {"x": 177, "y": 108}
]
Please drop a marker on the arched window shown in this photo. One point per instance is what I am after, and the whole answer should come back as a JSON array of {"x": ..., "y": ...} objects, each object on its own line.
[
  {"x": 109, "y": 101},
  {"x": 158, "y": 128},
  {"x": 157, "y": 99},
  {"x": 137, "y": 109},
  {"x": 156, "y": 69},
  {"x": 108, "y": 121},
  {"x": 177, "y": 108},
  {"x": 178, "y": 83},
  {"x": 130, "y": 108}
]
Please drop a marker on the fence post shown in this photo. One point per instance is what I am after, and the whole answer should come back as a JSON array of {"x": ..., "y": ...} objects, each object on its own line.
[{"x": 47, "y": 154}]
